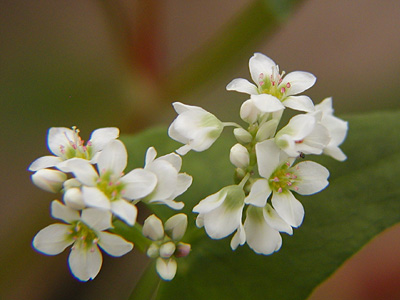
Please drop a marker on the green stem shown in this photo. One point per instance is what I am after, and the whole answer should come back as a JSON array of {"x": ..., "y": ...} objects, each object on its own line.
[
  {"x": 132, "y": 234},
  {"x": 148, "y": 285}
]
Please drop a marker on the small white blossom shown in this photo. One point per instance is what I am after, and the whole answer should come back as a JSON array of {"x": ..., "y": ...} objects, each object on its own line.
[
  {"x": 337, "y": 129},
  {"x": 166, "y": 245},
  {"x": 170, "y": 183},
  {"x": 66, "y": 143},
  {"x": 271, "y": 88},
  {"x": 221, "y": 213},
  {"x": 85, "y": 231},
  {"x": 280, "y": 178},
  {"x": 108, "y": 188},
  {"x": 194, "y": 127},
  {"x": 49, "y": 180}
]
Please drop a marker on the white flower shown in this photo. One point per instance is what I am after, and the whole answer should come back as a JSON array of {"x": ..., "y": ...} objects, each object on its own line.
[
  {"x": 304, "y": 134},
  {"x": 337, "y": 129},
  {"x": 221, "y": 213},
  {"x": 166, "y": 245},
  {"x": 261, "y": 230},
  {"x": 49, "y": 180},
  {"x": 85, "y": 232},
  {"x": 170, "y": 183},
  {"x": 280, "y": 178},
  {"x": 66, "y": 143},
  {"x": 271, "y": 88},
  {"x": 194, "y": 127},
  {"x": 109, "y": 188}
]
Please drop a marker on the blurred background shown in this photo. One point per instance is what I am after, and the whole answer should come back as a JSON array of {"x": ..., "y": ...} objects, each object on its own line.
[{"x": 122, "y": 63}]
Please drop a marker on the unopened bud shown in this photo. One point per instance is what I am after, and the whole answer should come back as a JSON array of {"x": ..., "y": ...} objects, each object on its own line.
[
  {"x": 242, "y": 135},
  {"x": 167, "y": 250},
  {"x": 73, "y": 199},
  {"x": 49, "y": 180},
  {"x": 182, "y": 250},
  {"x": 239, "y": 156}
]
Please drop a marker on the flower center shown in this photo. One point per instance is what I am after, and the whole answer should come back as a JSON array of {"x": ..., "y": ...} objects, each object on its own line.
[
  {"x": 83, "y": 236},
  {"x": 283, "y": 179},
  {"x": 273, "y": 84},
  {"x": 110, "y": 186},
  {"x": 76, "y": 147}
]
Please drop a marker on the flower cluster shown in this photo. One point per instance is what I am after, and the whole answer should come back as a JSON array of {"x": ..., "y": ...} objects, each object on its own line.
[
  {"x": 267, "y": 173},
  {"x": 96, "y": 191}
]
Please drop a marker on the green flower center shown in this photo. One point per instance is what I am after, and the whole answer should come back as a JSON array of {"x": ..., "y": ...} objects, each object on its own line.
[
  {"x": 273, "y": 85},
  {"x": 111, "y": 186},
  {"x": 83, "y": 236},
  {"x": 283, "y": 179},
  {"x": 77, "y": 147}
]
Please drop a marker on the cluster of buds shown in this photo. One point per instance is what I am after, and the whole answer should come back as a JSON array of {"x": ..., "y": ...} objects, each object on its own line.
[
  {"x": 265, "y": 158},
  {"x": 95, "y": 191}
]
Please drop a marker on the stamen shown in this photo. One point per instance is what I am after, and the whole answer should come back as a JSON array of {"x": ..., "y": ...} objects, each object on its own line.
[
  {"x": 288, "y": 85},
  {"x": 283, "y": 90},
  {"x": 280, "y": 190},
  {"x": 276, "y": 179}
]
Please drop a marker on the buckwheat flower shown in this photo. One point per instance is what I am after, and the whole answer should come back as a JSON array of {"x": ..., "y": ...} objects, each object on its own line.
[
  {"x": 85, "y": 231},
  {"x": 66, "y": 143},
  {"x": 194, "y": 127},
  {"x": 49, "y": 180},
  {"x": 304, "y": 134},
  {"x": 221, "y": 213},
  {"x": 108, "y": 188},
  {"x": 170, "y": 183},
  {"x": 272, "y": 87},
  {"x": 280, "y": 178},
  {"x": 166, "y": 244},
  {"x": 239, "y": 156},
  {"x": 337, "y": 129}
]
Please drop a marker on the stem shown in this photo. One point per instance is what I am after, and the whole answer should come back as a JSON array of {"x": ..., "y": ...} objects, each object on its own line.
[
  {"x": 148, "y": 285},
  {"x": 244, "y": 180}
]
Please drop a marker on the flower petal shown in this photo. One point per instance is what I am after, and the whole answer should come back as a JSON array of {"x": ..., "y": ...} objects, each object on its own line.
[
  {"x": 139, "y": 183},
  {"x": 239, "y": 238},
  {"x": 84, "y": 263},
  {"x": 151, "y": 154},
  {"x": 301, "y": 103},
  {"x": 44, "y": 162},
  {"x": 93, "y": 197},
  {"x": 275, "y": 221},
  {"x": 167, "y": 178},
  {"x": 267, "y": 103},
  {"x": 259, "y": 193},
  {"x": 125, "y": 211},
  {"x": 83, "y": 171},
  {"x": 288, "y": 208},
  {"x": 113, "y": 158},
  {"x": 299, "y": 82},
  {"x": 260, "y": 64},
  {"x": 97, "y": 219},
  {"x": 62, "y": 212},
  {"x": 113, "y": 244},
  {"x": 176, "y": 226},
  {"x": 312, "y": 177},
  {"x": 52, "y": 239},
  {"x": 242, "y": 86},
  {"x": 268, "y": 157},
  {"x": 59, "y": 138},
  {"x": 153, "y": 228},
  {"x": 102, "y": 136}
]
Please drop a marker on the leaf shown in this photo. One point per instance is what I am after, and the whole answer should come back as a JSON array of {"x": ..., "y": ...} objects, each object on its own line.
[{"x": 361, "y": 201}]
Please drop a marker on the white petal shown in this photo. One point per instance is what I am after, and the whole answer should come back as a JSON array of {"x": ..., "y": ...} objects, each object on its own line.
[
  {"x": 52, "y": 239},
  {"x": 170, "y": 203},
  {"x": 299, "y": 82},
  {"x": 260, "y": 237},
  {"x": 49, "y": 180},
  {"x": 73, "y": 198},
  {"x": 183, "y": 183},
  {"x": 316, "y": 141},
  {"x": 62, "y": 212},
  {"x": 113, "y": 158},
  {"x": 85, "y": 264},
  {"x": 183, "y": 150},
  {"x": 325, "y": 106},
  {"x": 59, "y": 137},
  {"x": 275, "y": 221},
  {"x": 153, "y": 228},
  {"x": 44, "y": 162},
  {"x": 249, "y": 112},
  {"x": 125, "y": 211},
  {"x": 167, "y": 178},
  {"x": 259, "y": 193},
  {"x": 139, "y": 183},
  {"x": 181, "y": 108},
  {"x": 174, "y": 159},
  {"x": 151, "y": 154},
  {"x": 312, "y": 177},
  {"x": 267, "y": 103},
  {"x": 113, "y": 244},
  {"x": 176, "y": 226},
  {"x": 210, "y": 203},
  {"x": 102, "y": 136},
  {"x": 166, "y": 268},
  {"x": 83, "y": 171},
  {"x": 289, "y": 208},
  {"x": 301, "y": 103},
  {"x": 239, "y": 238},
  {"x": 268, "y": 157},
  {"x": 242, "y": 86},
  {"x": 260, "y": 64},
  {"x": 93, "y": 197},
  {"x": 335, "y": 152},
  {"x": 97, "y": 219}
]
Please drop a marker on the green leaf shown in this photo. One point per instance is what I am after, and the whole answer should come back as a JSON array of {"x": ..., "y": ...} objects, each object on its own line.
[{"x": 361, "y": 201}]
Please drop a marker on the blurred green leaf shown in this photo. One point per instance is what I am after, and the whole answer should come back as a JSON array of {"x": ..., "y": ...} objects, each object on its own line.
[
  {"x": 361, "y": 201},
  {"x": 257, "y": 21}
]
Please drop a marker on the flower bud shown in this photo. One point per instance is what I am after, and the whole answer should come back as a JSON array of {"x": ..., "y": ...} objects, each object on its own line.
[
  {"x": 153, "y": 228},
  {"x": 167, "y": 250},
  {"x": 153, "y": 251},
  {"x": 182, "y": 250},
  {"x": 166, "y": 268},
  {"x": 239, "y": 156},
  {"x": 49, "y": 180},
  {"x": 176, "y": 226},
  {"x": 249, "y": 112},
  {"x": 242, "y": 135},
  {"x": 267, "y": 130},
  {"x": 73, "y": 198}
]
